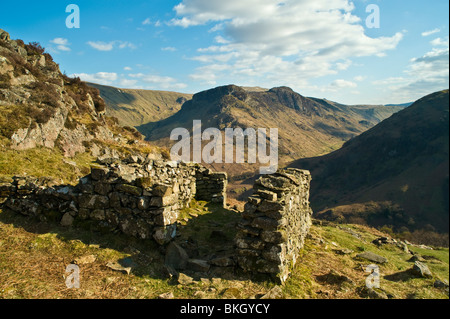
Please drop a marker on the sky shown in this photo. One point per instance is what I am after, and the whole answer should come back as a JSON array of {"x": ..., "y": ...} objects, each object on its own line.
[{"x": 352, "y": 52}]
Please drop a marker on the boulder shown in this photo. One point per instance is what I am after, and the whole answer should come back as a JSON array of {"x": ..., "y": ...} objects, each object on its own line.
[
  {"x": 420, "y": 269},
  {"x": 372, "y": 257},
  {"x": 176, "y": 257}
]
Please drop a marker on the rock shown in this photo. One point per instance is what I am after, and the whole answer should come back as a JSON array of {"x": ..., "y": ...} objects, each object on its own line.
[
  {"x": 344, "y": 251},
  {"x": 176, "y": 256},
  {"x": 184, "y": 279},
  {"x": 84, "y": 260},
  {"x": 441, "y": 284},
  {"x": 167, "y": 295},
  {"x": 4, "y": 35},
  {"x": 373, "y": 257},
  {"x": 99, "y": 173},
  {"x": 415, "y": 258},
  {"x": 124, "y": 265},
  {"x": 274, "y": 293},
  {"x": 373, "y": 294},
  {"x": 420, "y": 269},
  {"x": 67, "y": 220},
  {"x": 222, "y": 262},
  {"x": 231, "y": 293},
  {"x": 197, "y": 265}
]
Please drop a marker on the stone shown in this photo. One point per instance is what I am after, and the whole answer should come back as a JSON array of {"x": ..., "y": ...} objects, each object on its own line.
[
  {"x": 222, "y": 262},
  {"x": 265, "y": 223},
  {"x": 98, "y": 214},
  {"x": 118, "y": 266},
  {"x": 162, "y": 190},
  {"x": 197, "y": 265},
  {"x": 274, "y": 293},
  {"x": 420, "y": 269},
  {"x": 372, "y": 257},
  {"x": 270, "y": 196},
  {"x": 167, "y": 295},
  {"x": 415, "y": 258},
  {"x": 164, "y": 201},
  {"x": 373, "y": 294},
  {"x": 84, "y": 260},
  {"x": 163, "y": 235},
  {"x": 99, "y": 173},
  {"x": 176, "y": 256},
  {"x": 67, "y": 220},
  {"x": 4, "y": 35},
  {"x": 184, "y": 279},
  {"x": 441, "y": 284},
  {"x": 129, "y": 189}
]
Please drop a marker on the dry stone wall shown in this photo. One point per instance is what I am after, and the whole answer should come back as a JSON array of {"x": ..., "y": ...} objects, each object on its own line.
[
  {"x": 276, "y": 220},
  {"x": 141, "y": 198}
]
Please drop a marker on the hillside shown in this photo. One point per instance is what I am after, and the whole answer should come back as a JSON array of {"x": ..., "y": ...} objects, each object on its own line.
[
  {"x": 34, "y": 255},
  {"x": 394, "y": 174},
  {"x": 135, "y": 107},
  {"x": 47, "y": 117},
  {"x": 306, "y": 126}
]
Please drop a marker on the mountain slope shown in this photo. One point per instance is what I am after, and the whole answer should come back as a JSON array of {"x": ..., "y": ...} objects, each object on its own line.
[
  {"x": 41, "y": 109},
  {"x": 136, "y": 107},
  {"x": 306, "y": 126},
  {"x": 394, "y": 174}
]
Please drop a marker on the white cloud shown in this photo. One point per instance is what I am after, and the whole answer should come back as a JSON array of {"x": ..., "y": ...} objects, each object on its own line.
[
  {"x": 123, "y": 45},
  {"x": 359, "y": 78},
  {"x": 424, "y": 75},
  {"x": 105, "y": 78},
  {"x": 281, "y": 41},
  {"x": 440, "y": 42},
  {"x": 147, "y": 22},
  {"x": 127, "y": 68},
  {"x": 109, "y": 46},
  {"x": 101, "y": 46},
  {"x": 427, "y": 33},
  {"x": 171, "y": 49},
  {"x": 339, "y": 84},
  {"x": 158, "y": 82},
  {"x": 61, "y": 44},
  {"x": 130, "y": 84}
]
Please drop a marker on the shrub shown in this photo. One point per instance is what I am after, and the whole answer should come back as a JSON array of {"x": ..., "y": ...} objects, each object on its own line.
[
  {"x": 34, "y": 48},
  {"x": 44, "y": 93},
  {"x": 5, "y": 81}
]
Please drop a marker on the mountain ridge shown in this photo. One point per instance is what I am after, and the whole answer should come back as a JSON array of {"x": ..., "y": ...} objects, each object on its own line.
[{"x": 398, "y": 168}]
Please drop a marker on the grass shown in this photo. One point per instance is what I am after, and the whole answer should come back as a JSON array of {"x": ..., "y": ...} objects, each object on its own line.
[
  {"x": 34, "y": 255},
  {"x": 42, "y": 162}
]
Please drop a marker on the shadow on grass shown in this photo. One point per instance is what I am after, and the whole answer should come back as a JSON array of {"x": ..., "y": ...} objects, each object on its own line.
[
  {"x": 206, "y": 233},
  {"x": 401, "y": 276}
]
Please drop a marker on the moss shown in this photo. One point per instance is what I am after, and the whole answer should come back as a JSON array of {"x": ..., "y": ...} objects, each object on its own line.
[{"x": 12, "y": 118}]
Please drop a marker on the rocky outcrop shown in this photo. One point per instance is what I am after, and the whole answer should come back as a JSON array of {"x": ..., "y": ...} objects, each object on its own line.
[
  {"x": 49, "y": 108},
  {"x": 275, "y": 223}
]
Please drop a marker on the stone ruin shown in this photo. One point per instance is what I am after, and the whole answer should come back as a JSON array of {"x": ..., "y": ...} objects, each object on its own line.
[
  {"x": 143, "y": 198},
  {"x": 275, "y": 222}
]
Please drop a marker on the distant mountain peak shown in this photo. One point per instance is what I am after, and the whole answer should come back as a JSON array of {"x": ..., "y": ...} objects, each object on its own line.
[{"x": 221, "y": 91}]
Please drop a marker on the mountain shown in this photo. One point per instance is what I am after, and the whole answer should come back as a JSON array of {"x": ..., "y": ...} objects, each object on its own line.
[
  {"x": 306, "y": 126},
  {"x": 42, "y": 109},
  {"x": 394, "y": 174},
  {"x": 135, "y": 107}
]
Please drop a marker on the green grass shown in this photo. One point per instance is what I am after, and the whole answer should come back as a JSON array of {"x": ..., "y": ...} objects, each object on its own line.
[
  {"x": 42, "y": 162},
  {"x": 33, "y": 257}
]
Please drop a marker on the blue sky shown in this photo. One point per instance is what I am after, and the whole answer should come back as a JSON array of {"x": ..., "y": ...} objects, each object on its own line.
[{"x": 319, "y": 48}]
